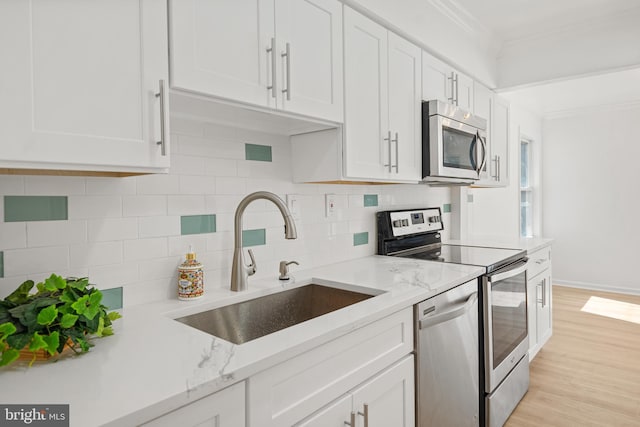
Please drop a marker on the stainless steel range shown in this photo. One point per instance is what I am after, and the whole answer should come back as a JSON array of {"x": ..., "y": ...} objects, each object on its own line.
[{"x": 502, "y": 362}]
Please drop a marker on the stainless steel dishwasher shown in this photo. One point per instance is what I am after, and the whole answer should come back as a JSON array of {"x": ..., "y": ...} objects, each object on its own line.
[{"x": 447, "y": 359}]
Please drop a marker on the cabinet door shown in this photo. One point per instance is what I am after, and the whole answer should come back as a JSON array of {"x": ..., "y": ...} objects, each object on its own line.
[
  {"x": 309, "y": 41},
  {"x": 436, "y": 79},
  {"x": 78, "y": 84},
  {"x": 405, "y": 106},
  {"x": 464, "y": 92},
  {"x": 332, "y": 415},
  {"x": 543, "y": 307},
  {"x": 388, "y": 399},
  {"x": 225, "y": 408},
  {"x": 366, "y": 97},
  {"x": 220, "y": 48},
  {"x": 482, "y": 107},
  {"x": 500, "y": 140}
]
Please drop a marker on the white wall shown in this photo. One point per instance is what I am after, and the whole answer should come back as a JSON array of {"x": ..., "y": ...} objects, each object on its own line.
[
  {"x": 494, "y": 212},
  {"x": 126, "y": 231},
  {"x": 590, "y": 201}
]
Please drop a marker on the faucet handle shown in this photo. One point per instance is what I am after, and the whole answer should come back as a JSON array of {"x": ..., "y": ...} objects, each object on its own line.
[
  {"x": 251, "y": 268},
  {"x": 284, "y": 270}
]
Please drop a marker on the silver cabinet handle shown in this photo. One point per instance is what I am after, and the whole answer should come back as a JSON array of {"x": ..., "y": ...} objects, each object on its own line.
[
  {"x": 543, "y": 289},
  {"x": 451, "y": 98},
  {"x": 388, "y": 139},
  {"x": 457, "y": 89},
  {"x": 287, "y": 53},
  {"x": 352, "y": 421},
  {"x": 495, "y": 160},
  {"x": 163, "y": 137},
  {"x": 499, "y": 167},
  {"x": 271, "y": 50},
  {"x": 365, "y": 414},
  {"x": 397, "y": 151}
]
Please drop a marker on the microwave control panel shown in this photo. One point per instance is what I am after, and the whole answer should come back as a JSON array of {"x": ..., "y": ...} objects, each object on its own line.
[{"x": 418, "y": 221}]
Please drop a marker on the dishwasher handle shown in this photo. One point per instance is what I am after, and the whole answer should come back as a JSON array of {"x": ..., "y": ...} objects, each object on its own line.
[{"x": 458, "y": 311}]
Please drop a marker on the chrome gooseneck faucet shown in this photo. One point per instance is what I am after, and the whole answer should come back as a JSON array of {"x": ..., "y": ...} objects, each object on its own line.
[{"x": 239, "y": 271}]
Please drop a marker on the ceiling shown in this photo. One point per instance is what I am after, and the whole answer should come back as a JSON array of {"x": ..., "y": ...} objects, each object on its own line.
[{"x": 514, "y": 19}]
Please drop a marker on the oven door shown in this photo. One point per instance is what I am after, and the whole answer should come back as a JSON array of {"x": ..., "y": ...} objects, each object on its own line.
[
  {"x": 458, "y": 150},
  {"x": 505, "y": 321}
]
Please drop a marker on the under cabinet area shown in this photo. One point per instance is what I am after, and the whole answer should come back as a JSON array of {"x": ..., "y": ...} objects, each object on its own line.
[
  {"x": 225, "y": 408},
  {"x": 282, "y": 54},
  {"x": 304, "y": 389},
  {"x": 441, "y": 81},
  {"x": 539, "y": 295},
  {"x": 84, "y": 87}
]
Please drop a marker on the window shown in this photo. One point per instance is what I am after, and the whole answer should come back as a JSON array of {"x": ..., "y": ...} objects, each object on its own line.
[{"x": 526, "y": 190}]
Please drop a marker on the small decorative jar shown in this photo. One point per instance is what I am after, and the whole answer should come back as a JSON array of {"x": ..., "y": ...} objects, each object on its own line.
[{"x": 190, "y": 278}]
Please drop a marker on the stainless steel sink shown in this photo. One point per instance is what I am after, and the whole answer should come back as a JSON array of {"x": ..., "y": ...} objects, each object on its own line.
[{"x": 251, "y": 319}]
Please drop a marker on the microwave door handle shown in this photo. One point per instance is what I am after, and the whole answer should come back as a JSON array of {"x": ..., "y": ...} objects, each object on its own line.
[
  {"x": 473, "y": 153},
  {"x": 484, "y": 153}
]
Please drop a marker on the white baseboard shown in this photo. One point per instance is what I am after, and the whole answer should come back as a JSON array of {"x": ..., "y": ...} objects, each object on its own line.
[{"x": 596, "y": 287}]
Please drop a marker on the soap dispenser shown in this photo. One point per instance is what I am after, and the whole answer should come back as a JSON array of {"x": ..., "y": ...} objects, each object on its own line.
[{"x": 190, "y": 278}]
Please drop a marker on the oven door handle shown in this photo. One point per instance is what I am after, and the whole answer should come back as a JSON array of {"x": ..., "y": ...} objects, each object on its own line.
[
  {"x": 451, "y": 314},
  {"x": 517, "y": 268}
]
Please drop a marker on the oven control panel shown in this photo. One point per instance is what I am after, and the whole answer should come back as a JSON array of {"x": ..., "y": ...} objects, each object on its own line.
[{"x": 418, "y": 221}]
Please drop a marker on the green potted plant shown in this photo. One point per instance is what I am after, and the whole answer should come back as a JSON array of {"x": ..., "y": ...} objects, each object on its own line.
[{"x": 62, "y": 313}]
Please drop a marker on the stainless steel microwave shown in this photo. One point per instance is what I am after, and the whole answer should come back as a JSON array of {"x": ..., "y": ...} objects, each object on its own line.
[{"x": 454, "y": 144}]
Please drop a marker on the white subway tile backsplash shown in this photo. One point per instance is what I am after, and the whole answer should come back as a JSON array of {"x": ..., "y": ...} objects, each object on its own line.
[
  {"x": 13, "y": 235},
  {"x": 158, "y": 184},
  {"x": 12, "y": 185},
  {"x": 144, "y": 205},
  {"x": 197, "y": 184},
  {"x": 113, "y": 186},
  {"x": 127, "y": 231},
  {"x": 30, "y": 261},
  {"x": 109, "y": 229},
  {"x": 54, "y": 185},
  {"x": 158, "y": 226},
  {"x": 93, "y": 254},
  {"x": 140, "y": 249},
  {"x": 186, "y": 205},
  {"x": 53, "y": 233},
  {"x": 86, "y": 207}
]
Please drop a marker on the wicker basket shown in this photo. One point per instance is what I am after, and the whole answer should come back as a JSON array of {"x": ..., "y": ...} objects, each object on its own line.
[{"x": 42, "y": 355}]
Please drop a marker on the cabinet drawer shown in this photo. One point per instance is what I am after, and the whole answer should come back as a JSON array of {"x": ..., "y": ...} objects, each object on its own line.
[
  {"x": 292, "y": 390},
  {"x": 539, "y": 261}
]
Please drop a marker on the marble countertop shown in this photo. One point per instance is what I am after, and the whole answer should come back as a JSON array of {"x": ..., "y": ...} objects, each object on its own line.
[
  {"x": 530, "y": 244},
  {"x": 153, "y": 364}
]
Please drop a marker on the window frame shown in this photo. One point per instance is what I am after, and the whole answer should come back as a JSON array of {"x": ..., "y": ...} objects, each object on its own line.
[{"x": 526, "y": 230}]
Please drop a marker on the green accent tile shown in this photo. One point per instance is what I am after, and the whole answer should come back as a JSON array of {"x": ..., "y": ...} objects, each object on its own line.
[
  {"x": 1, "y": 264},
  {"x": 360, "y": 238},
  {"x": 261, "y": 153},
  {"x": 197, "y": 224},
  {"x": 370, "y": 200},
  {"x": 254, "y": 237},
  {"x": 446, "y": 208},
  {"x": 35, "y": 208},
  {"x": 112, "y": 298}
]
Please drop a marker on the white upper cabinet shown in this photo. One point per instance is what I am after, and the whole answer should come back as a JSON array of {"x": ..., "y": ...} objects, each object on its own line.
[
  {"x": 496, "y": 110},
  {"x": 383, "y": 102},
  {"x": 443, "y": 82},
  {"x": 79, "y": 85},
  {"x": 284, "y": 54}
]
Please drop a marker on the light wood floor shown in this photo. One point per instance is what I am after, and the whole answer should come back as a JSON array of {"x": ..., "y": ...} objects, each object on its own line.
[{"x": 588, "y": 374}]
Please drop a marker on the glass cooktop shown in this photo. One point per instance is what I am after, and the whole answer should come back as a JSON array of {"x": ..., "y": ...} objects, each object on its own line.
[{"x": 490, "y": 258}]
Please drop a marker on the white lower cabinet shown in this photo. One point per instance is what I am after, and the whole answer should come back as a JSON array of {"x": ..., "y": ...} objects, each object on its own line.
[
  {"x": 225, "y": 408},
  {"x": 385, "y": 400},
  {"x": 359, "y": 368},
  {"x": 539, "y": 295}
]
